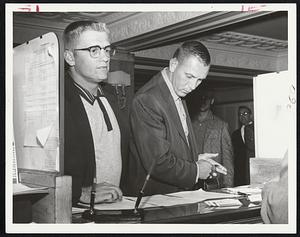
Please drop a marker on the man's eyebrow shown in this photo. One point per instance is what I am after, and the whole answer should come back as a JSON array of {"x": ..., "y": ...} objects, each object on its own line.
[{"x": 189, "y": 74}]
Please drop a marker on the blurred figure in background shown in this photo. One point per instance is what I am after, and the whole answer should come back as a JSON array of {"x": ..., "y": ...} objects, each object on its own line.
[
  {"x": 243, "y": 146},
  {"x": 212, "y": 134}
]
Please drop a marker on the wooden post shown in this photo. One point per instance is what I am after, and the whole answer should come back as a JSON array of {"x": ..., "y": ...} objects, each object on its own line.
[{"x": 56, "y": 206}]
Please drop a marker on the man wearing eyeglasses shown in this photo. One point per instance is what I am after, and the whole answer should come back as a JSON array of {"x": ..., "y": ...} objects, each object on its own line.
[
  {"x": 243, "y": 146},
  {"x": 92, "y": 136}
]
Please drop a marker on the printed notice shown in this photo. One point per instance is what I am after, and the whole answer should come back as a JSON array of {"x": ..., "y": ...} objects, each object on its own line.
[{"x": 37, "y": 108}]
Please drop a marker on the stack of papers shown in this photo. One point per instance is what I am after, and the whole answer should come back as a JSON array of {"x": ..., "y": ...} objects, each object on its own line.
[
  {"x": 255, "y": 198},
  {"x": 224, "y": 203},
  {"x": 243, "y": 189},
  {"x": 253, "y": 193}
]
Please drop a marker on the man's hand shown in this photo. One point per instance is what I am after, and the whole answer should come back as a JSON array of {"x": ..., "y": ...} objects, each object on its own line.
[
  {"x": 208, "y": 167},
  {"x": 105, "y": 192},
  {"x": 204, "y": 169}
]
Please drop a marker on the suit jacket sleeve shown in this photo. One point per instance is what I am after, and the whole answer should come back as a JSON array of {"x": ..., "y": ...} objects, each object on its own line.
[
  {"x": 227, "y": 152},
  {"x": 249, "y": 140},
  {"x": 153, "y": 141}
]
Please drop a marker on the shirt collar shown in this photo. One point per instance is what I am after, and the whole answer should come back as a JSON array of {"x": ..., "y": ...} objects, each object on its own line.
[
  {"x": 169, "y": 84},
  {"x": 87, "y": 95}
]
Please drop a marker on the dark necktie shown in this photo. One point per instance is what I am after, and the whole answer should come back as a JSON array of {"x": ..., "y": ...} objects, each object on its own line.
[{"x": 102, "y": 107}]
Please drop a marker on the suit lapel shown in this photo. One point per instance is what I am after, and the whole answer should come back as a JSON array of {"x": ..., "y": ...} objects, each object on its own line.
[{"x": 171, "y": 107}]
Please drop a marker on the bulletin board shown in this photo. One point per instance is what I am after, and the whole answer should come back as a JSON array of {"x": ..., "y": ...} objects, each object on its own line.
[{"x": 36, "y": 103}]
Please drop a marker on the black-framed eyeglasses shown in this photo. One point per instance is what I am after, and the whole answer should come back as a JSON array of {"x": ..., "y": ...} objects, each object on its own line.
[
  {"x": 95, "y": 50},
  {"x": 244, "y": 113}
]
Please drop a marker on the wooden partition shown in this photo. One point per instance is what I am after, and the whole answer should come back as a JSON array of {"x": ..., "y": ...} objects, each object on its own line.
[{"x": 37, "y": 117}]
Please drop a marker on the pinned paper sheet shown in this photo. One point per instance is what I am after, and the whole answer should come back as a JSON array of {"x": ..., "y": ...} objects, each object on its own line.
[
  {"x": 30, "y": 136},
  {"x": 43, "y": 134}
]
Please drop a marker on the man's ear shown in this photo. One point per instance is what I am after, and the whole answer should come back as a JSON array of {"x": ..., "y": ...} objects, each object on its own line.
[
  {"x": 173, "y": 64},
  {"x": 69, "y": 57},
  {"x": 212, "y": 101}
]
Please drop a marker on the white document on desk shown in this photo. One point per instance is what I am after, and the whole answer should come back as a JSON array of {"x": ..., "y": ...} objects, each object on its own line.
[
  {"x": 19, "y": 189},
  {"x": 254, "y": 193},
  {"x": 164, "y": 200},
  {"x": 185, "y": 197},
  {"x": 127, "y": 203}
]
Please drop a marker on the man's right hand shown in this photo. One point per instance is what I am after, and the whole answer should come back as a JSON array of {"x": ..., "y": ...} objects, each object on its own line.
[
  {"x": 105, "y": 192},
  {"x": 205, "y": 168}
]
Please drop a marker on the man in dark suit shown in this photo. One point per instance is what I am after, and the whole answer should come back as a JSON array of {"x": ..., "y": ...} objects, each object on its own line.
[
  {"x": 243, "y": 146},
  {"x": 92, "y": 154},
  {"x": 163, "y": 141}
]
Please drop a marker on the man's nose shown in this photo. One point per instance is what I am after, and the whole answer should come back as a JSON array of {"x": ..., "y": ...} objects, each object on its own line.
[{"x": 103, "y": 55}]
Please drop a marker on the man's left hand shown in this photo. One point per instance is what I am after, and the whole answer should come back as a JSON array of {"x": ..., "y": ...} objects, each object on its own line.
[{"x": 216, "y": 166}]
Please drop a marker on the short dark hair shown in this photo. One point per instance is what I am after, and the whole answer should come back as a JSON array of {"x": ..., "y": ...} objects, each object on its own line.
[
  {"x": 245, "y": 107},
  {"x": 193, "y": 48},
  {"x": 75, "y": 29}
]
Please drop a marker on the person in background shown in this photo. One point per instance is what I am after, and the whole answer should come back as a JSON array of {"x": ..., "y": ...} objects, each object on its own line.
[
  {"x": 92, "y": 135},
  {"x": 249, "y": 140},
  {"x": 211, "y": 132},
  {"x": 243, "y": 146},
  {"x": 163, "y": 143},
  {"x": 274, "y": 206}
]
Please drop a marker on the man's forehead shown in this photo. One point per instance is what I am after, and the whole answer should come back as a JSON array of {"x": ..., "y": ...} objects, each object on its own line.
[
  {"x": 192, "y": 57},
  {"x": 93, "y": 35},
  {"x": 194, "y": 66}
]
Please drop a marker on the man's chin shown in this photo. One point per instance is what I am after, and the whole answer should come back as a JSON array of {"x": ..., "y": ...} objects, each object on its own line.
[
  {"x": 101, "y": 79},
  {"x": 182, "y": 94}
]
